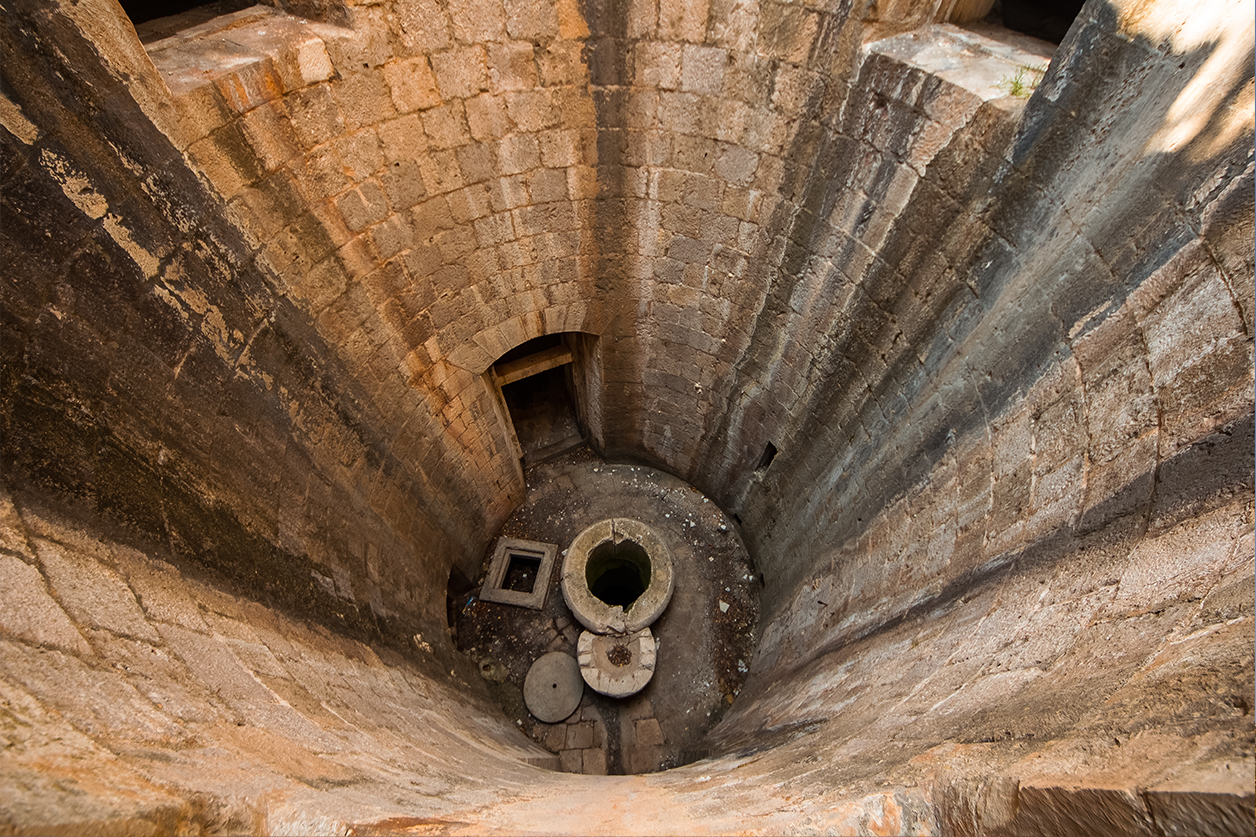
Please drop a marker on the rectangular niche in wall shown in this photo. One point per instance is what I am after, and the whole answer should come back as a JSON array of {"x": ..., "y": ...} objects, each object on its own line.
[{"x": 519, "y": 573}]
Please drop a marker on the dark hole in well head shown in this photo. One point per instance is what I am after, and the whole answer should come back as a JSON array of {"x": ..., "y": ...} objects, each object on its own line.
[
  {"x": 521, "y": 572},
  {"x": 618, "y": 573}
]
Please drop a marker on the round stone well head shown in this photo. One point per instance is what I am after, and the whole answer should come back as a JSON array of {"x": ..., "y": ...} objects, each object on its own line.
[{"x": 617, "y": 576}]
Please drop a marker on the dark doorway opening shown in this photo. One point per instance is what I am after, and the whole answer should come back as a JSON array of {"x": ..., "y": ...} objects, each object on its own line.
[
  {"x": 539, "y": 389},
  {"x": 157, "y": 19},
  {"x": 1048, "y": 20},
  {"x": 544, "y": 414}
]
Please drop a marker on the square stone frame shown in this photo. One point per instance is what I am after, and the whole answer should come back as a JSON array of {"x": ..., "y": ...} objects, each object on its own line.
[{"x": 492, "y": 591}]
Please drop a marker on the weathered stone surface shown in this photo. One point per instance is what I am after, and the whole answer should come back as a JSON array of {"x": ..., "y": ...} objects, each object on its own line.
[
  {"x": 553, "y": 688},
  {"x": 92, "y": 593},
  {"x": 1001, "y": 348},
  {"x": 1180, "y": 813},
  {"x": 30, "y": 614}
]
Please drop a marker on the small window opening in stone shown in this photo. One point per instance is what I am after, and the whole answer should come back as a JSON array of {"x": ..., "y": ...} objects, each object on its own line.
[
  {"x": 618, "y": 573},
  {"x": 521, "y": 572},
  {"x": 1048, "y": 20},
  {"x": 765, "y": 459}
]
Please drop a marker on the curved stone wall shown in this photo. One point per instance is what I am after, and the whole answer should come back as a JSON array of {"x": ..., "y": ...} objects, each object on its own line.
[{"x": 1001, "y": 347}]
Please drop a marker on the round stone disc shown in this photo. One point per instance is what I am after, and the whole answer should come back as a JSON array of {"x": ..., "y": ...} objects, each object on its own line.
[{"x": 553, "y": 687}]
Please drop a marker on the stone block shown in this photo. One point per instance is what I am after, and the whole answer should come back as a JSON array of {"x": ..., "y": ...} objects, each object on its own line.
[
  {"x": 478, "y": 21},
  {"x": 202, "y": 111},
  {"x": 432, "y": 216},
  {"x": 215, "y": 161},
  {"x": 681, "y": 112},
  {"x": 511, "y": 67},
  {"x": 412, "y": 83},
  {"x": 456, "y": 244},
  {"x": 561, "y": 148},
  {"x": 324, "y": 226},
  {"x": 486, "y": 117},
  {"x": 30, "y": 614},
  {"x": 355, "y": 258},
  {"x": 571, "y": 22},
  {"x": 319, "y": 174},
  {"x": 547, "y": 185},
  {"x": 360, "y": 154},
  {"x": 736, "y": 164},
  {"x": 547, "y": 218},
  {"x": 364, "y": 40},
  {"x": 403, "y": 184},
  {"x": 656, "y": 65},
  {"x": 92, "y": 593},
  {"x": 163, "y": 593},
  {"x": 391, "y": 236},
  {"x": 560, "y": 64},
  {"x": 252, "y": 85},
  {"x": 594, "y": 762},
  {"x": 516, "y": 154},
  {"x": 476, "y": 162},
  {"x": 469, "y": 204},
  {"x": 364, "y": 98},
  {"x": 1181, "y": 565},
  {"x": 579, "y": 735},
  {"x": 649, "y": 733},
  {"x": 683, "y": 20},
  {"x": 446, "y": 126},
  {"x": 363, "y": 206},
  {"x": 787, "y": 32},
  {"x": 1187, "y": 813},
  {"x": 555, "y": 737},
  {"x": 531, "y": 110},
  {"x": 1080, "y": 810},
  {"x": 494, "y": 229},
  {"x": 314, "y": 114},
  {"x": 694, "y": 154},
  {"x": 424, "y": 25},
  {"x": 441, "y": 172},
  {"x": 531, "y": 20},
  {"x": 304, "y": 62},
  {"x": 1013, "y": 442},
  {"x": 572, "y": 761},
  {"x": 98, "y": 701},
  {"x": 461, "y": 73},
  {"x": 402, "y": 138},
  {"x": 702, "y": 69}
]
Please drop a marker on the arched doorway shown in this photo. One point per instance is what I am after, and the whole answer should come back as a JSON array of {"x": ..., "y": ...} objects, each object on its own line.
[{"x": 542, "y": 387}]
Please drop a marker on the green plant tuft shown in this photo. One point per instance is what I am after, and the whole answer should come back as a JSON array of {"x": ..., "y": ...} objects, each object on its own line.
[{"x": 1025, "y": 81}]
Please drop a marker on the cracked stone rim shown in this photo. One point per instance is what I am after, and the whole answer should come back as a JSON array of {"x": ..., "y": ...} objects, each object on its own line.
[{"x": 595, "y": 614}]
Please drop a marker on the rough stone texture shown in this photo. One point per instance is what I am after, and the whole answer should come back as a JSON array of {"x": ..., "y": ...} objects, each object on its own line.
[
  {"x": 615, "y": 678},
  {"x": 1001, "y": 347},
  {"x": 600, "y": 616},
  {"x": 553, "y": 688}
]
